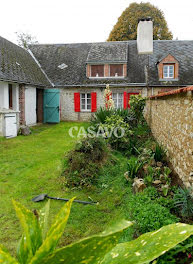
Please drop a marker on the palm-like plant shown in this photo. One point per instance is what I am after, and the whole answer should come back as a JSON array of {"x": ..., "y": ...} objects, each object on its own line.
[{"x": 183, "y": 200}]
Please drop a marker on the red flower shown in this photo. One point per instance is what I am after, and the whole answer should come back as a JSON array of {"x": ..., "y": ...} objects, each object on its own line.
[{"x": 189, "y": 255}]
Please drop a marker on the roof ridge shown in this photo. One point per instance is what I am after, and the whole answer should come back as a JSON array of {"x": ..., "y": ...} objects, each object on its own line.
[{"x": 105, "y": 42}]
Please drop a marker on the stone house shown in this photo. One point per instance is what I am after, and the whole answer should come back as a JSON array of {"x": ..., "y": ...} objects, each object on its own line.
[
  {"x": 66, "y": 81},
  {"x": 81, "y": 72}
]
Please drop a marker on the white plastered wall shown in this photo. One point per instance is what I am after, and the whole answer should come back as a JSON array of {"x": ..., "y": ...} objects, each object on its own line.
[
  {"x": 15, "y": 97},
  {"x": 30, "y": 105},
  {"x": 4, "y": 95}
]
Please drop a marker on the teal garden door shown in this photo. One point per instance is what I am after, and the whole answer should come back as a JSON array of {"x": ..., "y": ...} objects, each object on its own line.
[{"x": 51, "y": 106}]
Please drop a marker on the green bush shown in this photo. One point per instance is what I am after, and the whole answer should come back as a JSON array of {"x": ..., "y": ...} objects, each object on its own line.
[
  {"x": 39, "y": 245},
  {"x": 166, "y": 202},
  {"x": 137, "y": 104},
  {"x": 115, "y": 123},
  {"x": 85, "y": 161},
  {"x": 154, "y": 195},
  {"x": 149, "y": 215},
  {"x": 151, "y": 192},
  {"x": 101, "y": 115}
]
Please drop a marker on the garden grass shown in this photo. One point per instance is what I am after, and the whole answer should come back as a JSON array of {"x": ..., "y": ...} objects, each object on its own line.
[{"x": 33, "y": 165}]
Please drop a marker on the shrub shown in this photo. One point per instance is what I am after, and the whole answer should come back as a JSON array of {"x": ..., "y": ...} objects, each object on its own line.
[
  {"x": 39, "y": 245},
  {"x": 137, "y": 104},
  {"x": 85, "y": 161},
  {"x": 166, "y": 202},
  {"x": 151, "y": 192},
  {"x": 120, "y": 139},
  {"x": 102, "y": 114},
  {"x": 149, "y": 215},
  {"x": 134, "y": 165},
  {"x": 183, "y": 201}
]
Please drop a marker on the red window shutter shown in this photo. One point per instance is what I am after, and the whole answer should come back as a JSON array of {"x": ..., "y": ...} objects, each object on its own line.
[
  {"x": 125, "y": 102},
  {"x": 77, "y": 102},
  {"x": 93, "y": 102}
]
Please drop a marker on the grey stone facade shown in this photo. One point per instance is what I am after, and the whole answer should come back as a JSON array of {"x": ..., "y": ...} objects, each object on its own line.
[{"x": 67, "y": 101}]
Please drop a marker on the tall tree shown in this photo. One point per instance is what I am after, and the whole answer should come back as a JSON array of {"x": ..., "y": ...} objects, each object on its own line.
[
  {"x": 126, "y": 26},
  {"x": 25, "y": 39}
]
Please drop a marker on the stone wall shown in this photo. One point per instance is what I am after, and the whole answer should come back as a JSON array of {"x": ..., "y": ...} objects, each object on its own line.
[
  {"x": 170, "y": 116},
  {"x": 67, "y": 112}
]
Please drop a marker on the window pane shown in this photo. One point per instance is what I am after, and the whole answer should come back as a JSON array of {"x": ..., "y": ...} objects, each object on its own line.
[
  {"x": 120, "y": 95},
  {"x": 114, "y": 97},
  {"x": 88, "y": 95},
  {"x": 82, "y": 95},
  {"x": 83, "y": 106},
  {"x": 171, "y": 71},
  {"x": 165, "y": 71},
  {"x": 88, "y": 106},
  {"x": 168, "y": 71},
  {"x": 116, "y": 70},
  {"x": 120, "y": 104},
  {"x": 97, "y": 70}
]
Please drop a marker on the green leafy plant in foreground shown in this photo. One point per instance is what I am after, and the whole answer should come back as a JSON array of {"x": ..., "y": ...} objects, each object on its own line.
[{"x": 38, "y": 245}]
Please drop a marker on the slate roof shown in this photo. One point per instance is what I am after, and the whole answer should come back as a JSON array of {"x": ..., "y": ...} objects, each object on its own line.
[
  {"x": 76, "y": 56},
  {"x": 17, "y": 65},
  {"x": 108, "y": 52},
  {"x": 183, "y": 53}
]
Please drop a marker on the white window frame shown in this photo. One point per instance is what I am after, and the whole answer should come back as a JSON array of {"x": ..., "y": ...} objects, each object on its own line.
[
  {"x": 168, "y": 71},
  {"x": 117, "y": 100},
  {"x": 115, "y": 75},
  {"x": 86, "y": 102}
]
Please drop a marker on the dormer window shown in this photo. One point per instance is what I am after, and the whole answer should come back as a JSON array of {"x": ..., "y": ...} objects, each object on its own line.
[
  {"x": 97, "y": 70},
  {"x": 168, "y": 71},
  {"x": 106, "y": 70},
  {"x": 116, "y": 70}
]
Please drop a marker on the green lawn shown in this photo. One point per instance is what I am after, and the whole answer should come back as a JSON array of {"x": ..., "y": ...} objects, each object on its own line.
[{"x": 32, "y": 165}]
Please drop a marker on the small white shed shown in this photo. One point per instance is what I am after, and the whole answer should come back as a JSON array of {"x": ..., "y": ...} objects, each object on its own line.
[{"x": 9, "y": 123}]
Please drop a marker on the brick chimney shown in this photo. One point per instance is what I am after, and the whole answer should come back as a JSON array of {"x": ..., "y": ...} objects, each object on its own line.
[{"x": 145, "y": 36}]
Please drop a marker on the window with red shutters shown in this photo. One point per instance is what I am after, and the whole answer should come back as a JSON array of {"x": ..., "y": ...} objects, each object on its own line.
[
  {"x": 97, "y": 70},
  {"x": 116, "y": 70},
  {"x": 77, "y": 102},
  {"x": 93, "y": 102}
]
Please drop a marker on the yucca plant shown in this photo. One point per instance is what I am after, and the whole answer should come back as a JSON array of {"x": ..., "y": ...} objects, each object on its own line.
[
  {"x": 38, "y": 245},
  {"x": 101, "y": 115},
  {"x": 183, "y": 200}
]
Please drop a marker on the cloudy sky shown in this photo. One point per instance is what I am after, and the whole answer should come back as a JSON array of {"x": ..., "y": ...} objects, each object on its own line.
[{"x": 68, "y": 21}]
